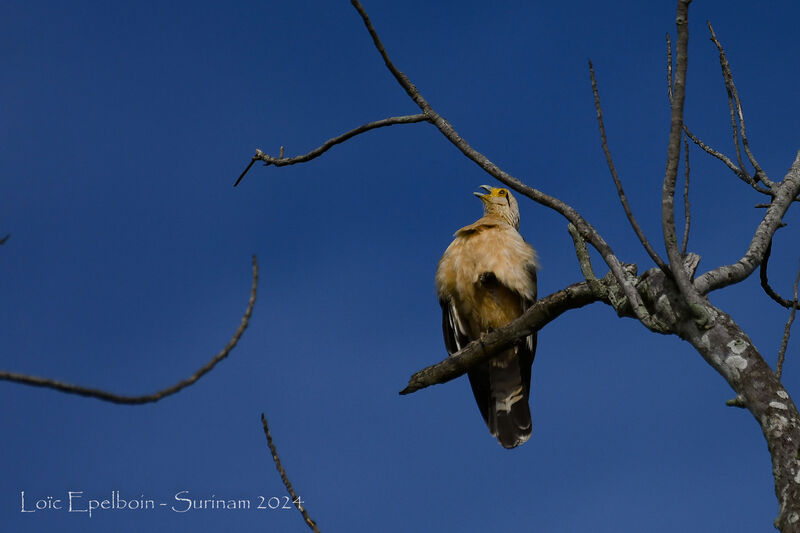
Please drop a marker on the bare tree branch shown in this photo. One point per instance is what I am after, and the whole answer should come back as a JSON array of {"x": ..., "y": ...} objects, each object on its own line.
[
  {"x": 673, "y": 158},
  {"x": 585, "y": 262},
  {"x": 620, "y": 192},
  {"x": 785, "y": 192},
  {"x": 739, "y": 172},
  {"x": 4, "y": 238},
  {"x": 687, "y": 208},
  {"x": 535, "y": 318},
  {"x": 733, "y": 100},
  {"x": 69, "y": 388},
  {"x": 787, "y": 329},
  {"x": 728, "y": 349},
  {"x": 327, "y": 145},
  {"x": 788, "y": 304},
  {"x": 286, "y": 483},
  {"x": 726, "y": 74},
  {"x": 669, "y": 68},
  {"x": 586, "y": 230}
]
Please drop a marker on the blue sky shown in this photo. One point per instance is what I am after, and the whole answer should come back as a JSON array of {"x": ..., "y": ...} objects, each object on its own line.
[{"x": 128, "y": 266}]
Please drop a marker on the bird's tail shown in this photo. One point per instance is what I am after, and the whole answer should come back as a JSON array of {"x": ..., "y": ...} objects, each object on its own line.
[{"x": 509, "y": 415}]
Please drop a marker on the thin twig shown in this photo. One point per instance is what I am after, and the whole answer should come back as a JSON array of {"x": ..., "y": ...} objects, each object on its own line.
[
  {"x": 783, "y": 302},
  {"x": 744, "y": 176},
  {"x": 620, "y": 192},
  {"x": 686, "y": 206},
  {"x": 4, "y": 238},
  {"x": 247, "y": 168},
  {"x": 585, "y": 262},
  {"x": 583, "y": 226},
  {"x": 327, "y": 145},
  {"x": 286, "y": 483},
  {"x": 787, "y": 329},
  {"x": 733, "y": 100},
  {"x": 726, "y": 75},
  {"x": 149, "y": 398}
]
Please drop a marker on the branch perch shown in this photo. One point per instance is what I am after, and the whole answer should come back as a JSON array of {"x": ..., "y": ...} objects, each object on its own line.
[{"x": 535, "y": 318}]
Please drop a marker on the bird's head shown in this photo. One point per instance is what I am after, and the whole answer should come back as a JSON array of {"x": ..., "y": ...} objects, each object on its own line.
[{"x": 499, "y": 203}]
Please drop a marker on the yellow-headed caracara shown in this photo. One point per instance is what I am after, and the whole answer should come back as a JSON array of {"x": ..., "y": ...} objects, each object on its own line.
[{"x": 486, "y": 278}]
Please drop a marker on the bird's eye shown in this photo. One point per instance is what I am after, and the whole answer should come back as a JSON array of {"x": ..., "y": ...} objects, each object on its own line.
[{"x": 501, "y": 192}]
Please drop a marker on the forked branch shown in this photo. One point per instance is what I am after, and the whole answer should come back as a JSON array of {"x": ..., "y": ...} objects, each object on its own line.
[
  {"x": 735, "y": 103},
  {"x": 585, "y": 262},
  {"x": 741, "y": 174},
  {"x": 785, "y": 191},
  {"x": 739, "y": 171}
]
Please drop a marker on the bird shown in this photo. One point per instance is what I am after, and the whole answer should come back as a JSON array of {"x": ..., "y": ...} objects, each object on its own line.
[{"x": 485, "y": 279}]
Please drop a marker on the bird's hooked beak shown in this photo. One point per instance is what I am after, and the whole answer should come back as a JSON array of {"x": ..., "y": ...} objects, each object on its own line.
[{"x": 484, "y": 197}]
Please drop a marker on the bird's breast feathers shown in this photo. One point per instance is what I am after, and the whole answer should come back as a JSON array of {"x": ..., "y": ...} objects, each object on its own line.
[{"x": 487, "y": 247}]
